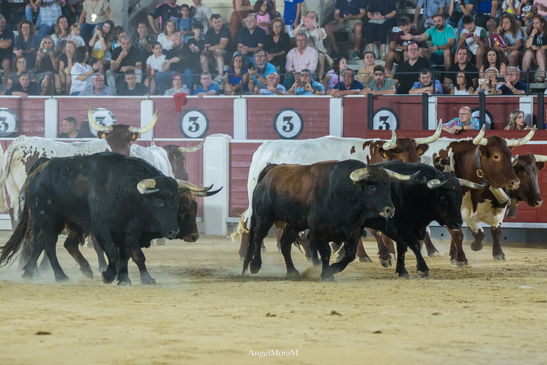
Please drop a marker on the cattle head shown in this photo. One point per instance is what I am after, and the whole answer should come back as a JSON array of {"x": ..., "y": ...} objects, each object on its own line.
[
  {"x": 408, "y": 149},
  {"x": 493, "y": 159},
  {"x": 160, "y": 199},
  {"x": 447, "y": 198},
  {"x": 119, "y": 136},
  {"x": 527, "y": 168},
  {"x": 375, "y": 184},
  {"x": 177, "y": 160}
]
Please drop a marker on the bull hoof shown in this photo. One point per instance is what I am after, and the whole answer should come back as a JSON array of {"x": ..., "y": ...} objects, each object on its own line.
[
  {"x": 434, "y": 254},
  {"x": 107, "y": 279},
  {"x": 423, "y": 274},
  {"x": 125, "y": 282},
  {"x": 462, "y": 263},
  {"x": 476, "y": 246},
  {"x": 255, "y": 268},
  {"x": 329, "y": 279},
  {"x": 404, "y": 275},
  {"x": 27, "y": 276},
  {"x": 453, "y": 261},
  {"x": 61, "y": 278},
  {"x": 87, "y": 272},
  {"x": 148, "y": 281},
  {"x": 365, "y": 259},
  {"x": 499, "y": 257},
  {"x": 293, "y": 274},
  {"x": 385, "y": 263}
]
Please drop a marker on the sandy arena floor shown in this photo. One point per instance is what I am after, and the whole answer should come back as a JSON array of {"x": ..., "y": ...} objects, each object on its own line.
[{"x": 204, "y": 312}]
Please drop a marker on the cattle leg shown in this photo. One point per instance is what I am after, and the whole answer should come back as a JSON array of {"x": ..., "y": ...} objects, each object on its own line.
[
  {"x": 123, "y": 272},
  {"x": 383, "y": 253},
  {"x": 111, "y": 252},
  {"x": 400, "y": 268},
  {"x": 497, "y": 252},
  {"x": 52, "y": 255},
  {"x": 458, "y": 258},
  {"x": 351, "y": 250},
  {"x": 71, "y": 244},
  {"x": 429, "y": 246},
  {"x": 100, "y": 255},
  {"x": 324, "y": 251},
  {"x": 37, "y": 247},
  {"x": 139, "y": 259},
  {"x": 477, "y": 243},
  {"x": 421, "y": 266},
  {"x": 288, "y": 237}
]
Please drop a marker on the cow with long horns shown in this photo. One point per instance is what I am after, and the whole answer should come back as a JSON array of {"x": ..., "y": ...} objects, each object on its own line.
[{"x": 24, "y": 151}]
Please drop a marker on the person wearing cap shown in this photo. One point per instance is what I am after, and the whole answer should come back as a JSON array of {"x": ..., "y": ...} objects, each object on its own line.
[
  {"x": 306, "y": 86},
  {"x": 274, "y": 87}
]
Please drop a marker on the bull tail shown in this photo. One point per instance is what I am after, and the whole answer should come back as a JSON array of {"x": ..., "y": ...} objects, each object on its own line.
[
  {"x": 5, "y": 163},
  {"x": 251, "y": 249},
  {"x": 11, "y": 249}
]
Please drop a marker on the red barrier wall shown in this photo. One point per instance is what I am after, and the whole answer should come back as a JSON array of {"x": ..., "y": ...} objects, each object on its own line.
[
  {"x": 261, "y": 113},
  {"x": 30, "y": 113},
  {"x": 241, "y": 155}
]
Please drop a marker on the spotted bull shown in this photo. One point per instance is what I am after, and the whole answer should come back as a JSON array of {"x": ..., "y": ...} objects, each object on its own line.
[{"x": 331, "y": 199}]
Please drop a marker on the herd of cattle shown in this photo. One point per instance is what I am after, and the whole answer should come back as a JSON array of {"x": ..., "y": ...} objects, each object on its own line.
[{"x": 123, "y": 195}]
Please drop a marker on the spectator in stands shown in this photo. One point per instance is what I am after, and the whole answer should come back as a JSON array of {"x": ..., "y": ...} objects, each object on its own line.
[
  {"x": 489, "y": 85},
  {"x": 166, "y": 38},
  {"x": 347, "y": 15},
  {"x": 278, "y": 44},
  {"x": 178, "y": 87},
  {"x": 207, "y": 86},
  {"x": 464, "y": 122},
  {"x": 101, "y": 44},
  {"x": 536, "y": 46},
  {"x": 443, "y": 38},
  {"x": 513, "y": 38},
  {"x": 348, "y": 86},
  {"x": 81, "y": 72},
  {"x": 381, "y": 18},
  {"x": 154, "y": 64},
  {"x": 66, "y": 61},
  {"x": 26, "y": 43},
  {"x": 47, "y": 63},
  {"x": 95, "y": 12},
  {"x": 185, "y": 22},
  {"x": 524, "y": 12},
  {"x": 118, "y": 34},
  {"x": 299, "y": 58},
  {"x": 236, "y": 77},
  {"x": 513, "y": 85},
  {"x": 124, "y": 59},
  {"x": 397, "y": 48},
  {"x": 262, "y": 69},
  {"x": 291, "y": 14},
  {"x": 196, "y": 45},
  {"x": 177, "y": 62},
  {"x": 97, "y": 87},
  {"x": 131, "y": 87},
  {"x": 315, "y": 35},
  {"x": 461, "y": 65},
  {"x": 6, "y": 46},
  {"x": 425, "y": 85},
  {"x": 201, "y": 13},
  {"x": 475, "y": 38},
  {"x": 62, "y": 31},
  {"x": 463, "y": 85},
  {"x": 75, "y": 35},
  {"x": 19, "y": 66},
  {"x": 168, "y": 10},
  {"x": 409, "y": 71},
  {"x": 306, "y": 86},
  {"x": 380, "y": 85},
  {"x": 486, "y": 12},
  {"x": 274, "y": 87},
  {"x": 72, "y": 9},
  {"x": 493, "y": 59},
  {"x": 262, "y": 16},
  {"x": 144, "y": 41},
  {"x": 69, "y": 128},
  {"x": 242, "y": 9},
  {"x": 334, "y": 75},
  {"x": 216, "y": 41},
  {"x": 31, "y": 9},
  {"x": 457, "y": 10},
  {"x": 250, "y": 39},
  {"x": 24, "y": 87},
  {"x": 50, "y": 11},
  {"x": 366, "y": 73},
  {"x": 516, "y": 121},
  {"x": 432, "y": 7}
]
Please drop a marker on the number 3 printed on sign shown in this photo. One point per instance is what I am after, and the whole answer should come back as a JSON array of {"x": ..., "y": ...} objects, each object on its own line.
[
  {"x": 194, "y": 123},
  {"x": 288, "y": 123}
]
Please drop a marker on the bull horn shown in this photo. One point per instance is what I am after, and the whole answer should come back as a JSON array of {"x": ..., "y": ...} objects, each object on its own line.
[
  {"x": 192, "y": 149},
  {"x": 146, "y": 128},
  {"x": 392, "y": 142},
  {"x": 396, "y": 175},
  {"x": 435, "y": 183},
  {"x": 523, "y": 140},
  {"x": 207, "y": 193},
  {"x": 540, "y": 158},
  {"x": 479, "y": 138},
  {"x": 432, "y": 138},
  {"x": 470, "y": 184},
  {"x": 359, "y": 174},
  {"x": 94, "y": 125},
  {"x": 147, "y": 186},
  {"x": 185, "y": 185},
  {"x": 514, "y": 160}
]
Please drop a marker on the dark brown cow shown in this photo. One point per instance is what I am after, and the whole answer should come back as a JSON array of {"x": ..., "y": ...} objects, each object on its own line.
[{"x": 177, "y": 160}]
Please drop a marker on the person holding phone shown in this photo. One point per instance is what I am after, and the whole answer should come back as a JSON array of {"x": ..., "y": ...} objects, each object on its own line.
[
  {"x": 513, "y": 85},
  {"x": 306, "y": 86},
  {"x": 47, "y": 63},
  {"x": 490, "y": 84},
  {"x": 272, "y": 87}
]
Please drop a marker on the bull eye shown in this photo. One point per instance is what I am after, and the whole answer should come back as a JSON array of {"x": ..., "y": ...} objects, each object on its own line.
[
  {"x": 496, "y": 157},
  {"x": 159, "y": 203},
  {"x": 372, "y": 187}
]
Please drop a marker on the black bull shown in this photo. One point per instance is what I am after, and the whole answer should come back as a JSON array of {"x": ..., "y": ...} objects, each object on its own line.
[
  {"x": 123, "y": 202},
  {"x": 331, "y": 199}
]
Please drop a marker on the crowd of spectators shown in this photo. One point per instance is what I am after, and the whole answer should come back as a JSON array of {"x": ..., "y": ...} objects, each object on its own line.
[{"x": 459, "y": 47}]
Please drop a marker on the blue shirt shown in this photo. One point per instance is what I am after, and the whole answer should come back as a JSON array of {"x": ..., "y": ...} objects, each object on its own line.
[
  {"x": 519, "y": 86},
  {"x": 418, "y": 85},
  {"x": 186, "y": 25},
  {"x": 355, "y": 85},
  {"x": 289, "y": 14},
  {"x": 280, "y": 89},
  {"x": 352, "y": 7},
  {"x": 456, "y": 122},
  {"x": 314, "y": 84},
  {"x": 212, "y": 87},
  {"x": 264, "y": 71}
]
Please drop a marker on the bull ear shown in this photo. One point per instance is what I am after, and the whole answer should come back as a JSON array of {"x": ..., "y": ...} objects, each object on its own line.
[
  {"x": 540, "y": 165},
  {"x": 101, "y": 135},
  {"x": 422, "y": 148}
]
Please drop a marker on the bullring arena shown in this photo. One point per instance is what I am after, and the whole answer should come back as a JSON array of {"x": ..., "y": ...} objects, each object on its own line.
[{"x": 204, "y": 310}]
